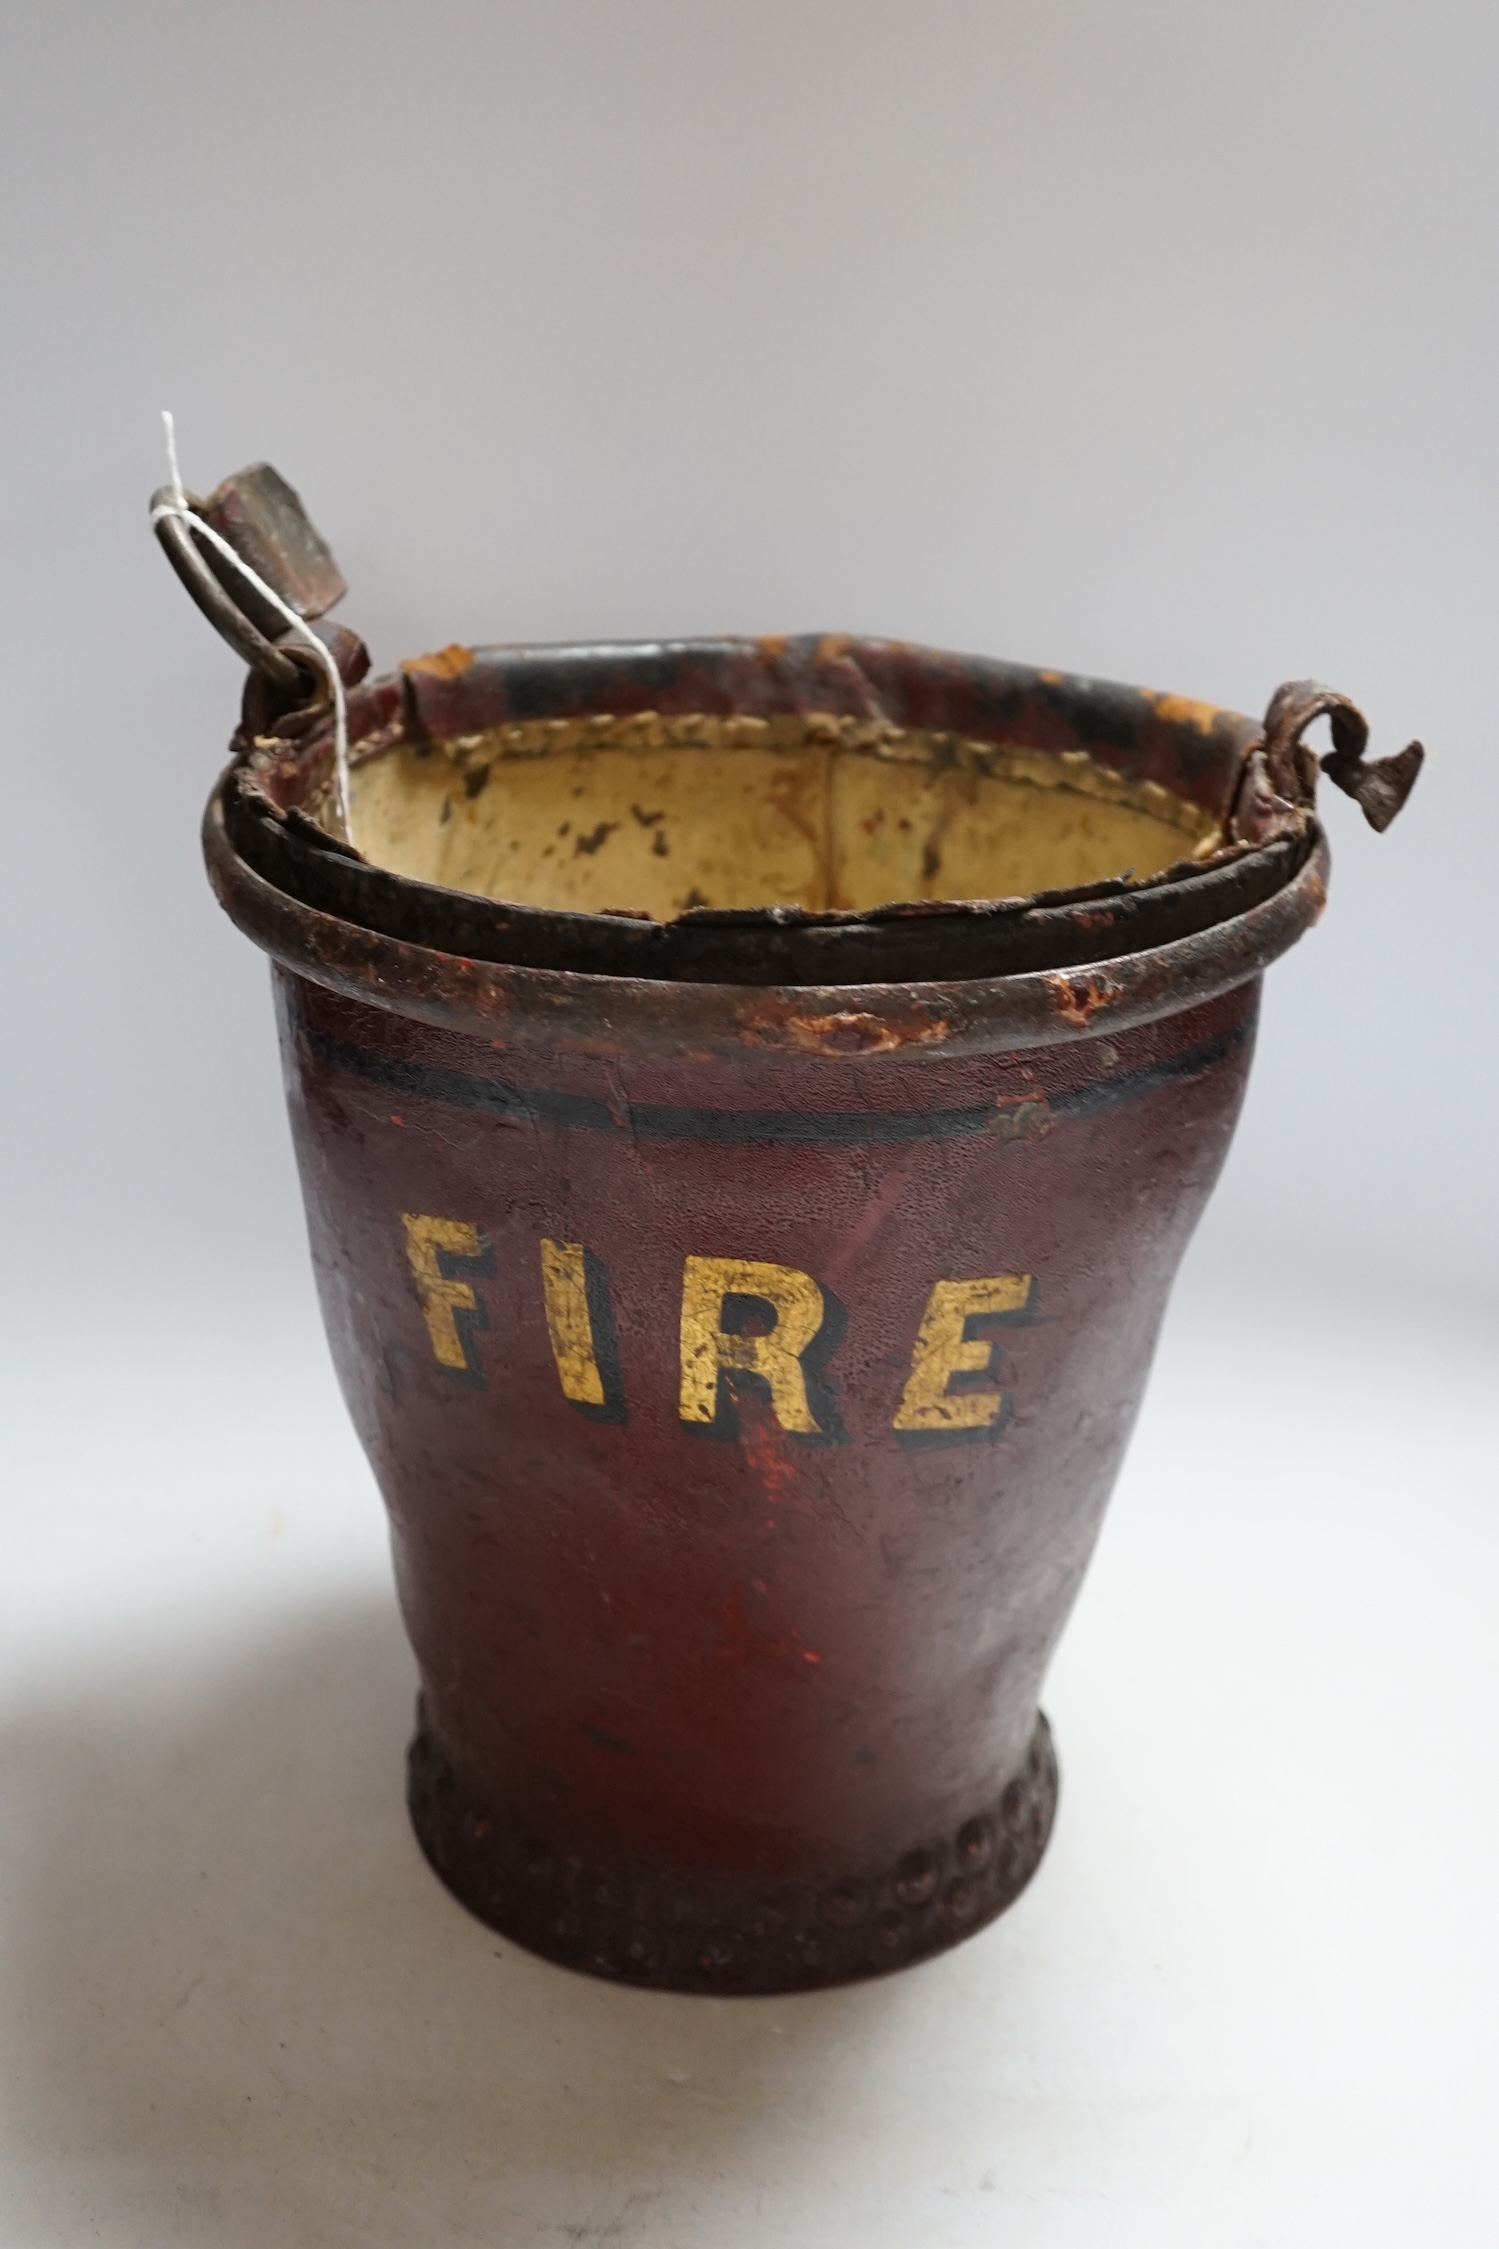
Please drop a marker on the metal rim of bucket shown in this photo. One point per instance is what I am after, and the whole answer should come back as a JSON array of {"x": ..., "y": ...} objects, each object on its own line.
[
  {"x": 1112, "y": 953},
  {"x": 609, "y": 1015},
  {"x": 1180, "y": 763},
  {"x": 929, "y": 975}
]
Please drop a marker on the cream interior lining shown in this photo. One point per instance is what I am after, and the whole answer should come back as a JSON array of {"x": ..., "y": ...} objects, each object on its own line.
[{"x": 652, "y": 814}]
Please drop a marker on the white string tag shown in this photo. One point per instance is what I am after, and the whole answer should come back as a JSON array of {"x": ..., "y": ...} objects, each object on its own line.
[{"x": 177, "y": 510}]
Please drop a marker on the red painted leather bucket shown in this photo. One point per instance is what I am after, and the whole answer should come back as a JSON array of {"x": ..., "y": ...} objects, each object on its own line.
[{"x": 744, "y": 1300}]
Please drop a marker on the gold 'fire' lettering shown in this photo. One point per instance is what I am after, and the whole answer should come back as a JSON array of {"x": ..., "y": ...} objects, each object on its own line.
[
  {"x": 944, "y": 1348},
  {"x": 709, "y": 1351},
  {"x": 428, "y": 1240},
  {"x": 564, "y": 1281}
]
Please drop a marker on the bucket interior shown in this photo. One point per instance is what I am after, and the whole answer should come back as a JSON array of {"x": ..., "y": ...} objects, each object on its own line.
[{"x": 652, "y": 814}]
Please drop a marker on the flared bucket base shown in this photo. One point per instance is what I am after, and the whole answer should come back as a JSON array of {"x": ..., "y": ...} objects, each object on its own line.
[{"x": 722, "y": 1933}]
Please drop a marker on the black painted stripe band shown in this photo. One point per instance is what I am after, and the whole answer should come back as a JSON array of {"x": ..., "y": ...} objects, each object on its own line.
[{"x": 653, "y": 1121}]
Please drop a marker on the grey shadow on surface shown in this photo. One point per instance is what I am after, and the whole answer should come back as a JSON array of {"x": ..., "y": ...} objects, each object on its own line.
[{"x": 243, "y": 2011}]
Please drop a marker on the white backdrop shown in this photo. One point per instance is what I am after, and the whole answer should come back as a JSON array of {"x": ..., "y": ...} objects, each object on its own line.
[{"x": 1157, "y": 339}]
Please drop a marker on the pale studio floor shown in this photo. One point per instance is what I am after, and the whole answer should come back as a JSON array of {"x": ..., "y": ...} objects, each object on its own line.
[{"x": 1250, "y": 1999}]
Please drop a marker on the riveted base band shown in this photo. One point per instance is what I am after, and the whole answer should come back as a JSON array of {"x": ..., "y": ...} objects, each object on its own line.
[{"x": 723, "y": 1933}]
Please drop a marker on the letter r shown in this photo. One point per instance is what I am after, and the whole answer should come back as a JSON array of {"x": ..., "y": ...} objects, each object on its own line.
[{"x": 709, "y": 1350}]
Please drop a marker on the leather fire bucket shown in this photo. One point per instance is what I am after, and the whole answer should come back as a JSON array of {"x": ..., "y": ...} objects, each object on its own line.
[{"x": 751, "y": 1099}]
